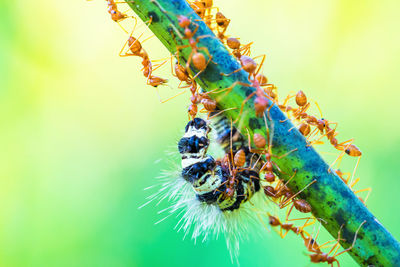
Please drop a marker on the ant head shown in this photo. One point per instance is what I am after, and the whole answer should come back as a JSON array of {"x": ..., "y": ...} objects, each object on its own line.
[
  {"x": 183, "y": 21},
  {"x": 274, "y": 221},
  {"x": 229, "y": 192}
]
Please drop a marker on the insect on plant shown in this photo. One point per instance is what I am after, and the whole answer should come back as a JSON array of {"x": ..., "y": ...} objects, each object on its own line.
[{"x": 213, "y": 195}]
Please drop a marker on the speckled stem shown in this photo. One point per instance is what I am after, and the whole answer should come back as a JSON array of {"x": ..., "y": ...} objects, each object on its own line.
[{"x": 330, "y": 198}]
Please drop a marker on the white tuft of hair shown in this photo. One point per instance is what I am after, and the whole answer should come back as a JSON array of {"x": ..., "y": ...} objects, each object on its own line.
[{"x": 204, "y": 221}]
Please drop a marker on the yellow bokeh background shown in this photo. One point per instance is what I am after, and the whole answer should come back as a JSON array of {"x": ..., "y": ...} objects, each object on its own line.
[{"x": 82, "y": 134}]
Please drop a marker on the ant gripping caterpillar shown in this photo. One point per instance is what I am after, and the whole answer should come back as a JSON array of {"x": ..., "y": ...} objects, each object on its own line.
[{"x": 213, "y": 182}]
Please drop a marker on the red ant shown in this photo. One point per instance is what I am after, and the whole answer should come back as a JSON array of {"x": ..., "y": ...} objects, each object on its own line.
[
  {"x": 116, "y": 15},
  {"x": 238, "y": 49},
  {"x": 257, "y": 80},
  {"x": 299, "y": 204},
  {"x": 198, "y": 59},
  {"x": 287, "y": 227},
  {"x": 203, "y": 98},
  {"x": 260, "y": 143},
  {"x": 135, "y": 48},
  {"x": 318, "y": 256},
  {"x": 235, "y": 164},
  {"x": 286, "y": 196}
]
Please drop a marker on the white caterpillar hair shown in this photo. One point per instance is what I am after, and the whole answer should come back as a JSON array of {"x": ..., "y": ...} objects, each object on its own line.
[{"x": 206, "y": 221}]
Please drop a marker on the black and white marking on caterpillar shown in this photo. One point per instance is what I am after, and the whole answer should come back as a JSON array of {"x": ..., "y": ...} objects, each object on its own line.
[{"x": 209, "y": 179}]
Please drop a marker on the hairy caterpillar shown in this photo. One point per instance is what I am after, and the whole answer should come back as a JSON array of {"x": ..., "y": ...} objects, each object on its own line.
[
  {"x": 210, "y": 180},
  {"x": 199, "y": 191}
]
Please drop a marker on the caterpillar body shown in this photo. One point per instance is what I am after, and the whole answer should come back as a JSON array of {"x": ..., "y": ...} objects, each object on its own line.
[
  {"x": 213, "y": 181},
  {"x": 212, "y": 196}
]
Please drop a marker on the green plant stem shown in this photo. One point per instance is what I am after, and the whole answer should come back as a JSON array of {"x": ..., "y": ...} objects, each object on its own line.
[{"x": 331, "y": 200}]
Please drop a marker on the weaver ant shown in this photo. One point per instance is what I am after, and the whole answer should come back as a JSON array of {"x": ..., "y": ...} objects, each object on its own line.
[
  {"x": 318, "y": 256},
  {"x": 198, "y": 59},
  {"x": 236, "y": 165},
  {"x": 260, "y": 143},
  {"x": 287, "y": 227}
]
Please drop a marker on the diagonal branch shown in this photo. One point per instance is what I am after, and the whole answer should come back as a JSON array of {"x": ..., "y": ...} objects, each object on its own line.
[{"x": 330, "y": 198}]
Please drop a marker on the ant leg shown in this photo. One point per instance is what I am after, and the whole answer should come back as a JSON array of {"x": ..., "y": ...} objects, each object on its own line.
[
  {"x": 188, "y": 61},
  {"x": 172, "y": 68},
  {"x": 260, "y": 65},
  {"x": 341, "y": 145},
  {"x": 159, "y": 65},
  {"x": 180, "y": 47},
  {"x": 119, "y": 24},
  {"x": 298, "y": 112},
  {"x": 229, "y": 74},
  {"x": 229, "y": 89},
  {"x": 286, "y": 203},
  {"x": 355, "y": 168},
  {"x": 319, "y": 109},
  {"x": 122, "y": 49},
  {"x": 148, "y": 38},
  {"x": 168, "y": 99},
  {"x": 297, "y": 219},
  {"x": 262, "y": 222},
  {"x": 287, "y": 99},
  {"x": 284, "y": 155},
  {"x": 354, "y": 241},
  {"x": 204, "y": 36},
  {"x": 243, "y": 103},
  {"x": 306, "y": 224},
  {"x": 336, "y": 160},
  {"x": 285, "y": 234},
  {"x": 326, "y": 133},
  {"x": 369, "y": 189},
  {"x": 246, "y": 49},
  {"x": 288, "y": 213}
]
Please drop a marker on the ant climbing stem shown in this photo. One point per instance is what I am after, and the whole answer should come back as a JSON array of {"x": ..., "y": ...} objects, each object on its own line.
[
  {"x": 115, "y": 14},
  {"x": 195, "y": 57},
  {"x": 249, "y": 65},
  {"x": 299, "y": 204},
  {"x": 134, "y": 45},
  {"x": 261, "y": 103},
  {"x": 261, "y": 144},
  {"x": 351, "y": 150},
  {"x": 135, "y": 48},
  {"x": 287, "y": 202},
  {"x": 318, "y": 256},
  {"x": 287, "y": 227},
  {"x": 240, "y": 172},
  {"x": 237, "y": 48}
]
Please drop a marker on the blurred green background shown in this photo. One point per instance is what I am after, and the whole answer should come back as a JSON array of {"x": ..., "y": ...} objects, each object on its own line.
[{"x": 82, "y": 135}]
